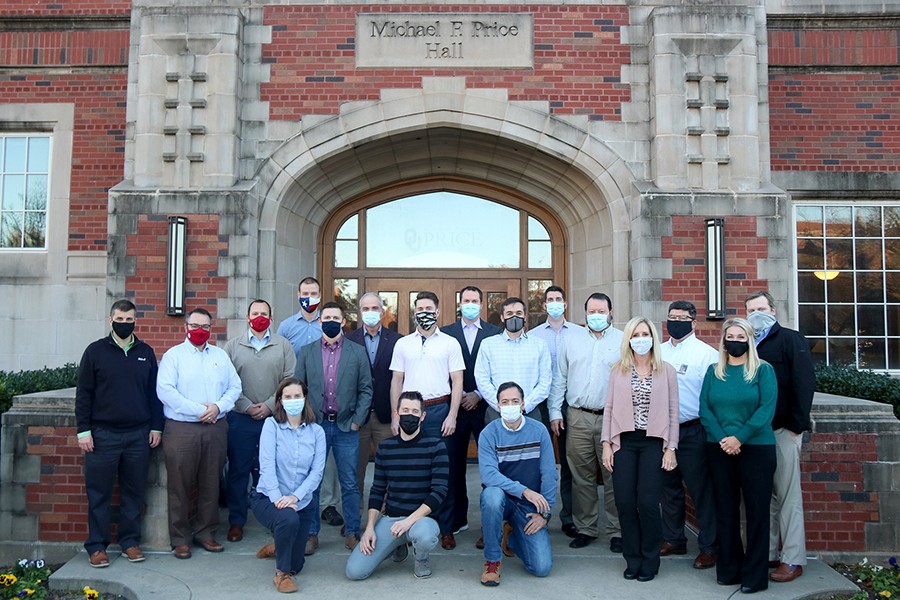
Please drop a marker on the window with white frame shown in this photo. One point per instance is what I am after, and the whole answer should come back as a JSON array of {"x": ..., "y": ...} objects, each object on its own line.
[
  {"x": 848, "y": 283},
  {"x": 24, "y": 190}
]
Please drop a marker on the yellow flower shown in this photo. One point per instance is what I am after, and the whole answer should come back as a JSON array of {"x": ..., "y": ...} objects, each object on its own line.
[
  {"x": 885, "y": 593},
  {"x": 29, "y": 591},
  {"x": 90, "y": 594},
  {"x": 8, "y": 579}
]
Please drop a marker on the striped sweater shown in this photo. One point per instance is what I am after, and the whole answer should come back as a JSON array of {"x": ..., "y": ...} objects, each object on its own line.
[
  {"x": 409, "y": 474},
  {"x": 516, "y": 460}
]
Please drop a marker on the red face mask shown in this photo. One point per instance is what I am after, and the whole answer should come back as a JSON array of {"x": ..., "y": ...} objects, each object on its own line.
[
  {"x": 260, "y": 323},
  {"x": 198, "y": 337}
]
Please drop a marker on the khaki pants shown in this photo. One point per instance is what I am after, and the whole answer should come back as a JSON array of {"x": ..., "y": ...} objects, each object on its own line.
[
  {"x": 584, "y": 453},
  {"x": 787, "y": 531}
]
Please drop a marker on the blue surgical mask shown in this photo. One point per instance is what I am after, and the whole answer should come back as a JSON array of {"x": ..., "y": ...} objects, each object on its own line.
[
  {"x": 597, "y": 322},
  {"x": 371, "y": 318},
  {"x": 293, "y": 406},
  {"x": 556, "y": 309},
  {"x": 641, "y": 345},
  {"x": 470, "y": 311}
]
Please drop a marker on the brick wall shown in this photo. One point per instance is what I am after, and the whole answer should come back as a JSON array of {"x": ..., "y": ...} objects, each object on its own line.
[
  {"x": 203, "y": 286},
  {"x": 687, "y": 249},
  {"x": 59, "y": 497},
  {"x": 827, "y": 113},
  {"x": 65, "y": 7},
  {"x": 577, "y": 59}
]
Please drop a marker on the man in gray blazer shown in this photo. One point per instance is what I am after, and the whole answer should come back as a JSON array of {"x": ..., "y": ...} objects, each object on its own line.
[{"x": 339, "y": 386}]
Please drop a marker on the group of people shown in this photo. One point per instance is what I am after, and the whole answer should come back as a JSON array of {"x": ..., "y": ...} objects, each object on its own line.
[{"x": 642, "y": 418}]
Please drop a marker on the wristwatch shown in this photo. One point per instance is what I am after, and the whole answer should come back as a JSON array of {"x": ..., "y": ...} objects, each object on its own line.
[{"x": 546, "y": 516}]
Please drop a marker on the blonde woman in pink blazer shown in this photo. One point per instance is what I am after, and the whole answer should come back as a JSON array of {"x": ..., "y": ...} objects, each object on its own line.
[{"x": 640, "y": 435}]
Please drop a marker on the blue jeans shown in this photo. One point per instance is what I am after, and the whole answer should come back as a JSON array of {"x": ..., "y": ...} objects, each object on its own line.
[
  {"x": 434, "y": 418},
  {"x": 290, "y": 529},
  {"x": 534, "y": 549},
  {"x": 243, "y": 463},
  {"x": 344, "y": 445},
  {"x": 423, "y": 535}
]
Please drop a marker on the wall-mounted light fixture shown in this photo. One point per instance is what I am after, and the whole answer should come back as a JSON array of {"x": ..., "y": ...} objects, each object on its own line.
[
  {"x": 826, "y": 275},
  {"x": 176, "y": 259},
  {"x": 715, "y": 268}
]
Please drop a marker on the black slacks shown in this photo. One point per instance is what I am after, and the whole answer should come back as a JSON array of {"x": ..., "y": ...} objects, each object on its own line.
[{"x": 693, "y": 470}]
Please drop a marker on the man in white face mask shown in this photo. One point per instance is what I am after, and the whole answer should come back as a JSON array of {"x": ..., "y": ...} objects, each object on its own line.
[
  {"x": 788, "y": 353},
  {"x": 518, "y": 472},
  {"x": 584, "y": 360}
]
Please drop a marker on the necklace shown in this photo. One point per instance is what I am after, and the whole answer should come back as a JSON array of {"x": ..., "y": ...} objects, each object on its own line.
[{"x": 645, "y": 374}]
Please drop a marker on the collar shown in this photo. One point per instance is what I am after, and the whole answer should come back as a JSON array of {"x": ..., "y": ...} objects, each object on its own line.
[
  {"x": 508, "y": 428},
  {"x": 300, "y": 316},
  {"x": 287, "y": 425},
  {"x": 506, "y": 337},
  {"x": 366, "y": 332},
  {"x": 332, "y": 346},
  {"x": 127, "y": 346},
  {"x": 194, "y": 348},
  {"x": 264, "y": 339},
  {"x": 684, "y": 341},
  {"x": 476, "y": 323}
]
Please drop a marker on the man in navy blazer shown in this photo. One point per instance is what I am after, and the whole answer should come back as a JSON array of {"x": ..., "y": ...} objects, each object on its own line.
[
  {"x": 339, "y": 386},
  {"x": 379, "y": 344},
  {"x": 469, "y": 331}
]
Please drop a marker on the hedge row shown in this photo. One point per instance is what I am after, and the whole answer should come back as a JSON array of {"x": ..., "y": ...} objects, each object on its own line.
[
  {"x": 29, "y": 382},
  {"x": 846, "y": 380}
]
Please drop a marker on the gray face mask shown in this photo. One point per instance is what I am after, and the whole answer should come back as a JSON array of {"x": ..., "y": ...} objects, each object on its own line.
[
  {"x": 514, "y": 324},
  {"x": 760, "y": 321}
]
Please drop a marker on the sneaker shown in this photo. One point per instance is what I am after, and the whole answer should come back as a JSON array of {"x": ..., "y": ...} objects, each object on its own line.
[
  {"x": 284, "y": 583},
  {"x": 99, "y": 559},
  {"x": 491, "y": 574},
  {"x": 400, "y": 553},
  {"x": 331, "y": 516},
  {"x": 460, "y": 529},
  {"x": 423, "y": 568}
]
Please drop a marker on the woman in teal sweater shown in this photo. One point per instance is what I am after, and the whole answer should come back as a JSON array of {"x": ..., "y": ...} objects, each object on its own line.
[{"x": 737, "y": 403}]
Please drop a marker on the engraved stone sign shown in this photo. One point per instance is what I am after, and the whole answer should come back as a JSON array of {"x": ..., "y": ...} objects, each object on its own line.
[{"x": 445, "y": 40}]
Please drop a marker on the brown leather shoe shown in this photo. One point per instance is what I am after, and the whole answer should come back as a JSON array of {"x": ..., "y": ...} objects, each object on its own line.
[
  {"x": 351, "y": 541},
  {"x": 182, "y": 552},
  {"x": 267, "y": 551},
  {"x": 284, "y": 583},
  {"x": 774, "y": 564},
  {"x": 480, "y": 543},
  {"x": 705, "y": 560},
  {"x": 504, "y": 543},
  {"x": 235, "y": 533},
  {"x": 668, "y": 549},
  {"x": 99, "y": 559},
  {"x": 134, "y": 554},
  {"x": 312, "y": 542},
  {"x": 211, "y": 545},
  {"x": 448, "y": 542},
  {"x": 785, "y": 573}
]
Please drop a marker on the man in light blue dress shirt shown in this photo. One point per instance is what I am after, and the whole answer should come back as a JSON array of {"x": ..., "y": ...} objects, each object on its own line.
[{"x": 197, "y": 385}]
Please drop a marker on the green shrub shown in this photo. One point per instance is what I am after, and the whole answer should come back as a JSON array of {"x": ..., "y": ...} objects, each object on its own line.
[
  {"x": 846, "y": 380},
  {"x": 29, "y": 382}
]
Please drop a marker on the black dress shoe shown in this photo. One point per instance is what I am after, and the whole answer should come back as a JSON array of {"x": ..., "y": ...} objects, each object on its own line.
[
  {"x": 615, "y": 545},
  {"x": 629, "y": 574},
  {"x": 746, "y": 589},
  {"x": 645, "y": 578},
  {"x": 570, "y": 530},
  {"x": 331, "y": 516},
  {"x": 728, "y": 581},
  {"x": 581, "y": 541}
]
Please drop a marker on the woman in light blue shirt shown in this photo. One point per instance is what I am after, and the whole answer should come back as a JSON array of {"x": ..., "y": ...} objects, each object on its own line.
[{"x": 291, "y": 462}]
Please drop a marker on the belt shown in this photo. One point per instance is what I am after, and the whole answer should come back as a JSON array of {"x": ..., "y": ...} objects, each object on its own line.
[
  {"x": 438, "y": 400},
  {"x": 588, "y": 410},
  {"x": 329, "y": 418},
  {"x": 691, "y": 423}
]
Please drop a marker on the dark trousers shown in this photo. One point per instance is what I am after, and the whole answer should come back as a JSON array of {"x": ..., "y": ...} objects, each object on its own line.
[
  {"x": 195, "y": 453},
  {"x": 455, "y": 510},
  {"x": 243, "y": 463},
  {"x": 125, "y": 454},
  {"x": 290, "y": 529},
  {"x": 748, "y": 474},
  {"x": 565, "y": 473},
  {"x": 693, "y": 471},
  {"x": 637, "y": 482}
]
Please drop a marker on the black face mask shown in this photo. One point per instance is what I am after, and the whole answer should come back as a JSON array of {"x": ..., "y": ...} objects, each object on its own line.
[
  {"x": 735, "y": 348},
  {"x": 678, "y": 329},
  {"x": 514, "y": 324},
  {"x": 331, "y": 329},
  {"x": 122, "y": 329},
  {"x": 409, "y": 423}
]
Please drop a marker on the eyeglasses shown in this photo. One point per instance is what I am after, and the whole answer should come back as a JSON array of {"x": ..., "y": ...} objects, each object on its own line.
[
  {"x": 195, "y": 326},
  {"x": 680, "y": 318}
]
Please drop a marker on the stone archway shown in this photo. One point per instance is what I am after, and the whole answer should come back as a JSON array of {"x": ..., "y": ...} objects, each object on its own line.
[{"x": 445, "y": 129}]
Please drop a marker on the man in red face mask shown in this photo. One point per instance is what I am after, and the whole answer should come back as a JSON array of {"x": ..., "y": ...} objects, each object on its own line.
[
  {"x": 262, "y": 359},
  {"x": 197, "y": 385}
]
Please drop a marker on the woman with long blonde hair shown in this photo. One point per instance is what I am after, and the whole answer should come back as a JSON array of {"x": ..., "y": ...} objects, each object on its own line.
[
  {"x": 640, "y": 435},
  {"x": 737, "y": 403}
]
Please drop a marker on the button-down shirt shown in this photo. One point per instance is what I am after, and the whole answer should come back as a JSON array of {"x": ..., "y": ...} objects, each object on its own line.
[
  {"x": 470, "y": 332},
  {"x": 762, "y": 335},
  {"x": 582, "y": 369},
  {"x": 291, "y": 461},
  {"x": 426, "y": 363},
  {"x": 524, "y": 360},
  {"x": 299, "y": 331},
  {"x": 259, "y": 343},
  {"x": 189, "y": 378},
  {"x": 331, "y": 358},
  {"x": 372, "y": 342},
  {"x": 552, "y": 337},
  {"x": 690, "y": 358}
]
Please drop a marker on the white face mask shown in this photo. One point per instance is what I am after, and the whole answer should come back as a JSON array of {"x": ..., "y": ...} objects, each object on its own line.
[
  {"x": 371, "y": 317},
  {"x": 511, "y": 412},
  {"x": 760, "y": 321},
  {"x": 641, "y": 345}
]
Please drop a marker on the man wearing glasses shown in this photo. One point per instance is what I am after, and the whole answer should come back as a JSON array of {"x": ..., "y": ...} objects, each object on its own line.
[
  {"x": 197, "y": 385},
  {"x": 691, "y": 358}
]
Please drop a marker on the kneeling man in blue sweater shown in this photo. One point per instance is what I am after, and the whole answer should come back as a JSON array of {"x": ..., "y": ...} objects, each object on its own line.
[{"x": 518, "y": 473}]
